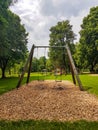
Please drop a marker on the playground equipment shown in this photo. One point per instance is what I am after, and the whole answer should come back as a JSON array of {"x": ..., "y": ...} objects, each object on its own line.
[
  {"x": 57, "y": 73},
  {"x": 74, "y": 72},
  {"x": 42, "y": 71}
]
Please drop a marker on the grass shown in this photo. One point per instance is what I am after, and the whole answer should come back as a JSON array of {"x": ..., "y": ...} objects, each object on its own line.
[
  {"x": 10, "y": 83},
  {"x": 7, "y": 84},
  {"x": 90, "y": 84},
  {"x": 46, "y": 125}
]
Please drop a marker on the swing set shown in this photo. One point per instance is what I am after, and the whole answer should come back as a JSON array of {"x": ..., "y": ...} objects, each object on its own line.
[
  {"x": 28, "y": 65},
  {"x": 42, "y": 73}
]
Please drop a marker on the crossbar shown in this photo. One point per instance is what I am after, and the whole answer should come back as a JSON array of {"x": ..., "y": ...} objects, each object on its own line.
[{"x": 49, "y": 46}]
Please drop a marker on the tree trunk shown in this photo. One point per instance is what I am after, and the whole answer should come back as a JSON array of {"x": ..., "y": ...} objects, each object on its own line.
[
  {"x": 3, "y": 68},
  {"x": 3, "y": 73},
  {"x": 9, "y": 71},
  {"x": 92, "y": 69}
]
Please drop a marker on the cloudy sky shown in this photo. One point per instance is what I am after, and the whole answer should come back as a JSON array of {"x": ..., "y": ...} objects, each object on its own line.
[{"x": 39, "y": 15}]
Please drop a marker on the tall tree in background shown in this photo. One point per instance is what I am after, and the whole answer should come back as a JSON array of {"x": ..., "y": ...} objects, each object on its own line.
[
  {"x": 81, "y": 63},
  {"x": 42, "y": 63},
  {"x": 89, "y": 39},
  {"x": 13, "y": 37},
  {"x": 58, "y": 34},
  {"x": 6, "y": 3}
]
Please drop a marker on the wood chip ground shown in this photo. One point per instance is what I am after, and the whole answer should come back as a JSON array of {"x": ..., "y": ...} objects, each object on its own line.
[{"x": 48, "y": 100}]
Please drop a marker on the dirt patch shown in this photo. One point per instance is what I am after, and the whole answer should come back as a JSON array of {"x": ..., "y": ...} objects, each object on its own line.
[
  {"x": 48, "y": 100},
  {"x": 93, "y": 74}
]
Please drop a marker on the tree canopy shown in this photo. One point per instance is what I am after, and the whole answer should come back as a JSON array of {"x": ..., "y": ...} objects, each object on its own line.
[
  {"x": 13, "y": 38},
  {"x": 89, "y": 39},
  {"x": 60, "y": 34},
  {"x": 6, "y": 3}
]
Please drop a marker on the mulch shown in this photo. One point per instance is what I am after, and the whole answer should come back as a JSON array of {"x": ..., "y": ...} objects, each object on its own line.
[{"x": 48, "y": 100}]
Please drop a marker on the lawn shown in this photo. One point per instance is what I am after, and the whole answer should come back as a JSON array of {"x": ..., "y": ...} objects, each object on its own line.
[
  {"x": 46, "y": 125},
  {"x": 90, "y": 83},
  {"x": 10, "y": 83}
]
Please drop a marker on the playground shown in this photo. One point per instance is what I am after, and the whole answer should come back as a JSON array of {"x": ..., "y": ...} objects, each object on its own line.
[
  {"x": 48, "y": 65},
  {"x": 59, "y": 100},
  {"x": 49, "y": 100}
]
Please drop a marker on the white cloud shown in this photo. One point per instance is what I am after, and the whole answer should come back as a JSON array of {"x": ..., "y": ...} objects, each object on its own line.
[
  {"x": 77, "y": 21},
  {"x": 39, "y": 15}
]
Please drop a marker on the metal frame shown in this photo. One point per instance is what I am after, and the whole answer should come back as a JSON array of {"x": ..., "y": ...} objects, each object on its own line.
[
  {"x": 74, "y": 72},
  {"x": 49, "y": 46}
]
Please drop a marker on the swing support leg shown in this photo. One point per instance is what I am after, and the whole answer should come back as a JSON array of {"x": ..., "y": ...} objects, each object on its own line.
[
  {"x": 25, "y": 68},
  {"x": 73, "y": 67},
  {"x": 72, "y": 72},
  {"x": 30, "y": 65}
]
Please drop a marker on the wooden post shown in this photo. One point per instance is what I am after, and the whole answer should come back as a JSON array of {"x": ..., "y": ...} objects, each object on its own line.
[
  {"x": 30, "y": 65},
  {"x": 72, "y": 72},
  {"x": 73, "y": 67},
  {"x": 25, "y": 68}
]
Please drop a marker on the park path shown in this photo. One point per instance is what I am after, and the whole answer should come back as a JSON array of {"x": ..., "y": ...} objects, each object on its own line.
[{"x": 49, "y": 100}]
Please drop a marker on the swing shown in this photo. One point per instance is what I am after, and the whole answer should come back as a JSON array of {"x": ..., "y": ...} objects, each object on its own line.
[
  {"x": 44, "y": 70},
  {"x": 58, "y": 75}
]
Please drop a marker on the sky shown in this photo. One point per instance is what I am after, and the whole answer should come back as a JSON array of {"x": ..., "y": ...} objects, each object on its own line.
[{"x": 38, "y": 16}]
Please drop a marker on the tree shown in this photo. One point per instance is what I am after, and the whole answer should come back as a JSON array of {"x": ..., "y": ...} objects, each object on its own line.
[
  {"x": 6, "y": 3},
  {"x": 42, "y": 63},
  {"x": 89, "y": 39},
  {"x": 35, "y": 64},
  {"x": 58, "y": 34},
  {"x": 13, "y": 40},
  {"x": 49, "y": 65},
  {"x": 80, "y": 62}
]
